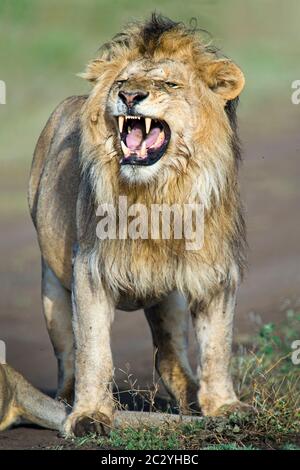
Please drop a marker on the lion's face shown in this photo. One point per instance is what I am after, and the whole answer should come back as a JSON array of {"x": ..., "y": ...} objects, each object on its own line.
[
  {"x": 157, "y": 108},
  {"x": 151, "y": 105},
  {"x": 162, "y": 104}
]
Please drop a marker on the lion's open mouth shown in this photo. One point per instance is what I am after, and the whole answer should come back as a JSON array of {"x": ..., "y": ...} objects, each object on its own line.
[{"x": 143, "y": 140}]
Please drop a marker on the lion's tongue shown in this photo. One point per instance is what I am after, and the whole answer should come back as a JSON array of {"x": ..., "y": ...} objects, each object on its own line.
[
  {"x": 135, "y": 138},
  {"x": 152, "y": 136}
]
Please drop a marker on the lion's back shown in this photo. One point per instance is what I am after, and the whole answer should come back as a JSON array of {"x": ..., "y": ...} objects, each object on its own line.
[{"x": 53, "y": 185}]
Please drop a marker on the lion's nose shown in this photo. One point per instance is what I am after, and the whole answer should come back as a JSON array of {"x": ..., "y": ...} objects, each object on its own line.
[{"x": 130, "y": 98}]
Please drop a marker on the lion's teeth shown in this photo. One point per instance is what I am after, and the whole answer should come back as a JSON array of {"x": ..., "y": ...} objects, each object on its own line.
[
  {"x": 124, "y": 148},
  {"x": 143, "y": 149},
  {"x": 147, "y": 124},
  {"x": 121, "y": 123},
  {"x": 132, "y": 117}
]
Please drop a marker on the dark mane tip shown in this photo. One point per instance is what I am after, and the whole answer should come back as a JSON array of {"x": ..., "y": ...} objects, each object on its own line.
[{"x": 155, "y": 27}]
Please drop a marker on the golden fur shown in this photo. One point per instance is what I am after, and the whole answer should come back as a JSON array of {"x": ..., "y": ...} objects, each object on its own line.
[
  {"x": 76, "y": 167},
  {"x": 20, "y": 401},
  {"x": 200, "y": 165}
]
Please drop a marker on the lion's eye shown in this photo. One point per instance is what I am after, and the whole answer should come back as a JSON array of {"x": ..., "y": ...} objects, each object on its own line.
[
  {"x": 172, "y": 84},
  {"x": 120, "y": 82}
]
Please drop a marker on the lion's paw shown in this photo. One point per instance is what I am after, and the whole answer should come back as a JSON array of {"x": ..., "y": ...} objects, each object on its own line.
[
  {"x": 81, "y": 423},
  {"x": 238, "y": 407}
]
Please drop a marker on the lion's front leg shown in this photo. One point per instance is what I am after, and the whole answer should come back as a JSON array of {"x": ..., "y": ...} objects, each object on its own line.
[
  {"x": 213, "y": 326},
  {"x": 93, "y": 313}
]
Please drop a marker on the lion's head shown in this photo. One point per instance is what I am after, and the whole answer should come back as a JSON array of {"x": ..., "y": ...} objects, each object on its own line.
[{"x": 160, "y": 100}]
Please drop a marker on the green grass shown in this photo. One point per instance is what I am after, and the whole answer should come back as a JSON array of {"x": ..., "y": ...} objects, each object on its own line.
[
  {"x": 232, "y": 446},
  {"x": 264, "y": 376}
]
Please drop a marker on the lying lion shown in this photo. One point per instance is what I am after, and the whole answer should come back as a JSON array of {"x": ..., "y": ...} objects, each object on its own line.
[
  {"x": 21, "y": 403},
  {"x": 158, "y": 128}
]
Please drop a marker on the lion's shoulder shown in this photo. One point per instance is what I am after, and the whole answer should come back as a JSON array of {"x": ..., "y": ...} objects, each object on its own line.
[{"x": 61, "y": 131}]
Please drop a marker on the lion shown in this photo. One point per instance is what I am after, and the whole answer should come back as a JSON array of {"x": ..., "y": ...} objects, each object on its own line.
[{"x": 158, "y": 127}]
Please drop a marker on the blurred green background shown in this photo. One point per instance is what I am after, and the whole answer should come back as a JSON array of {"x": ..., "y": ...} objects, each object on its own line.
[{"x": 43, "y": 45}]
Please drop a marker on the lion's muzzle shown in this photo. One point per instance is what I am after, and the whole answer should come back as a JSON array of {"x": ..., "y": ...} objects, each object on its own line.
[{"x": 143, "y": 140}]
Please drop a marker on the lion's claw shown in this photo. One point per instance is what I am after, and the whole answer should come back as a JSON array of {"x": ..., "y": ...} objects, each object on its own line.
[{"x": 88, "y": 423}]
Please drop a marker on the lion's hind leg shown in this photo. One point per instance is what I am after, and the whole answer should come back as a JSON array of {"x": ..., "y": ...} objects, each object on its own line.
[
  {"x": 213, "y": 327},
  {"x": 168, "y": 321},
  {"x": 57, "y": 307}
]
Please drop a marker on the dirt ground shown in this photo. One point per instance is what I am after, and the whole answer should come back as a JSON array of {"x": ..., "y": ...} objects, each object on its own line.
[{"x": 270, "y": 178}]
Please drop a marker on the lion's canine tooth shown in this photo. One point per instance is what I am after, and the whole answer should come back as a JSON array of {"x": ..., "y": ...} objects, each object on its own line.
[
  {"x": 147, "y": 124},
  {"x": 121, "y": 123},
  {"x": 124, "y": 148}
]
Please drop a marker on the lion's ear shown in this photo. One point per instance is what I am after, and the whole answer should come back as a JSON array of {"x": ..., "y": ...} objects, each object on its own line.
[
  {"x": 225, "y": 78},
  {"x": 93, "y": 70}
]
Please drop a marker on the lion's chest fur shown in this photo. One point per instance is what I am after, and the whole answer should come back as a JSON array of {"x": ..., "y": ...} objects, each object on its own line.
[
  {"x": 147, "y": 269},
  {"x": 150, "y": 268}
]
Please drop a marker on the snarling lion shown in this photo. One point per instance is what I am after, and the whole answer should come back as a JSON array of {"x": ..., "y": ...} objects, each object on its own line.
[{"x": 157, "y": 128}]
